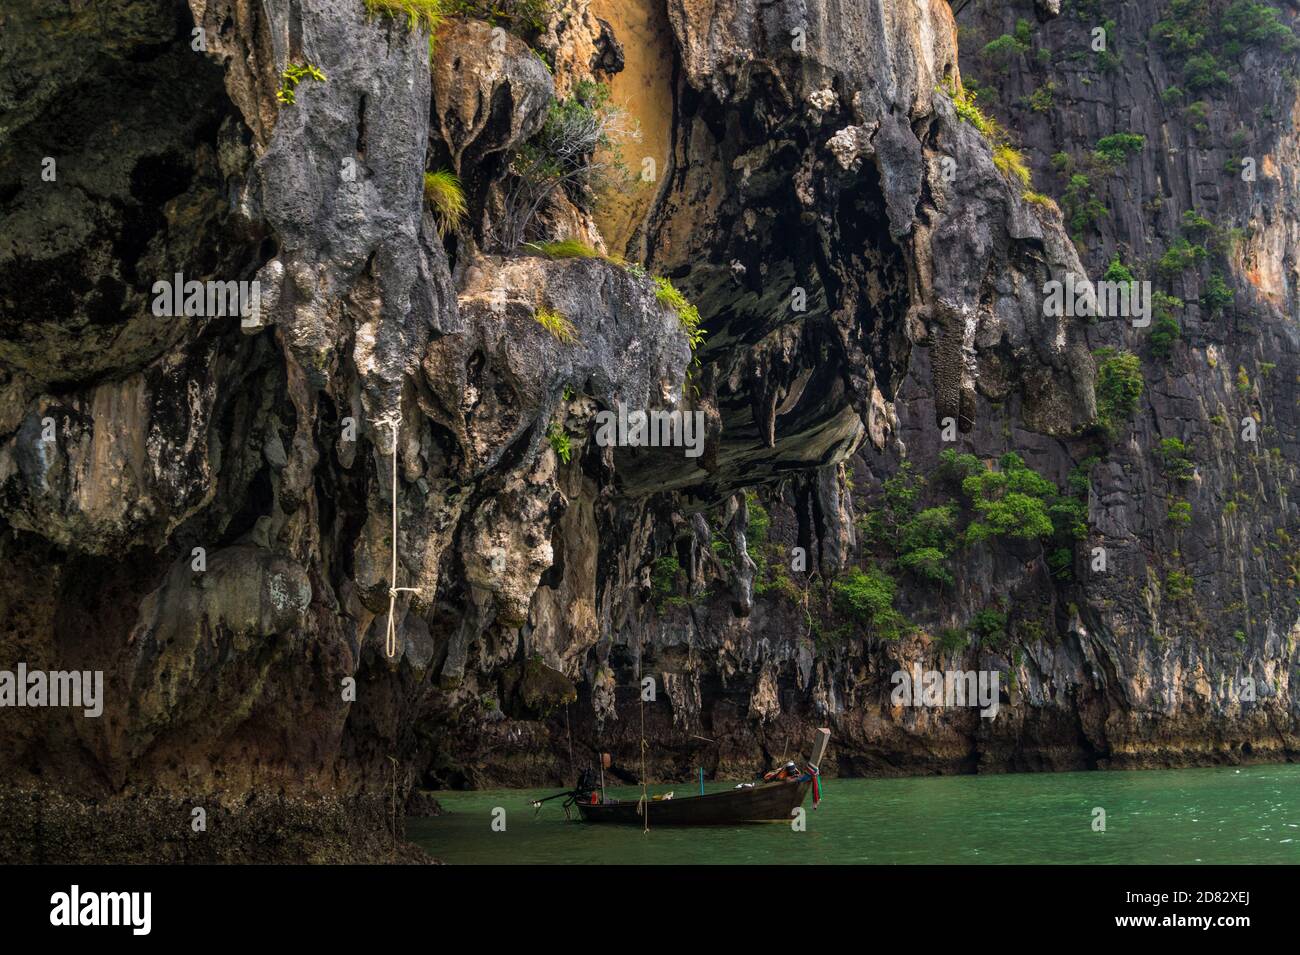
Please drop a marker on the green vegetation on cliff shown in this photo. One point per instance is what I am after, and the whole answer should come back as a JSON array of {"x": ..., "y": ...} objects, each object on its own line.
[
  {"x": 560, "y": 328},
  {"x": 417, "y": 13},
  {"x": 1114, "y": 150},
  {"x": 1009, "y": 500},
  {"x": 1175, "y": 459},
  {"x": 1119, "y": 388},
  {"x": 687, "y": 314},
  {"x": 443, "y": 191},
  {"x": 1001, "y": 51},
  {"x": 522, "y": 16},
  {"x": 1165, "y": 330},
  {"x": 1007, "y": 158},
  {"x": 1204, "y": 37},
  {"x": 294, "y": 74},
  {"x": 562, "y": 157},
  {"x": 559, "y": 439},
  {"x": 568, "y": 249},
  {"x": 867, "y": 597},
  {"x": 1083, "y": 210}
]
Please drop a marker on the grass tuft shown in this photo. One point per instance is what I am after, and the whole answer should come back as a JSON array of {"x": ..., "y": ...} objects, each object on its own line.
[
  {"x": 569, "y": 249},
  {"x": 1038, "y": 199},
  {"x": 1008, "y": 160},
  {"x": 444, "y": 192},
  {"x": 689, "y": 316},
  {"x": 1011, "y": 163},
  {"x": 428, "y": 13},
  {"x": 561, "y": 328},
  {"x": 963, "y": 101}
]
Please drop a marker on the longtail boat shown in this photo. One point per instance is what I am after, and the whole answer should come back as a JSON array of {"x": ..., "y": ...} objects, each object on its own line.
[{"x": 772, "y": 800}]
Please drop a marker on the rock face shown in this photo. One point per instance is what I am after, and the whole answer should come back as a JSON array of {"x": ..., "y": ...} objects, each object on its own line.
[{"x": 206, "y": 507}]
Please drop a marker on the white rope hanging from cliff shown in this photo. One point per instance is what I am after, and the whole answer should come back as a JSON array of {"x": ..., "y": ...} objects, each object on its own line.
[{"x": 390, "y": 638}]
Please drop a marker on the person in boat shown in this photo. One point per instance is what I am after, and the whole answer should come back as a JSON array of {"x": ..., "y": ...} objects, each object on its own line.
[
  {"x": 586, "y": 790},
  {"x": 788, "y": 771}
]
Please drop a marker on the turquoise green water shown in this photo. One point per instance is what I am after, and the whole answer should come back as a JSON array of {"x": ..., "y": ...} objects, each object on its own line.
[{"x": 1222, "y": 815}]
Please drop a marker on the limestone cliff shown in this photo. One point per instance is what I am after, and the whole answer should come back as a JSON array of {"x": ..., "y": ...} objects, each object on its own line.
[{"x": 472, "y": 235}]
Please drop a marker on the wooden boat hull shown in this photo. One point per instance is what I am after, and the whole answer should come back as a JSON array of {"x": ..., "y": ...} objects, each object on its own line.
[{"x": 766, "y": 802}]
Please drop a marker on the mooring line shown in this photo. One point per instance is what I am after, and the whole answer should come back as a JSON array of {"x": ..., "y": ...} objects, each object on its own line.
[{"x": 390, "y": 638}]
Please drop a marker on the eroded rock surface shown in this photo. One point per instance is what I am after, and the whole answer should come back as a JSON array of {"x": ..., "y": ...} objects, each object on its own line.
[{"x": 202, "y": 506}]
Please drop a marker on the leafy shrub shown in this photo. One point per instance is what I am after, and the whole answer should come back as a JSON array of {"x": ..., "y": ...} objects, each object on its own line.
[
  {"x": 1061, "y": 563},
  {"x": 1079, "y": 480},
  {"x": 1197, "y": 113},
  {"x": 559, "y": 439},
  {"x": 902, "y": 491},
  {"x": 1043, "y": 98},
  {"x": 1012, "y": 502},
  {"x": 562, "y": 156},
  {"x": 957, "y": 467},
  {"x": 1082, "y": 208},
  {"x": 950, "y": 639},
  {"x": 1002, "y": 50},
  {"x": 868, "y": 598},
  {"x": 1165, "y": 330},
  {"x": 1114, "y": 150},
  {"x": 1183, "y": 30},
  {"x": 1249, "y": 23},
  {"x": 759, "y": 521},
  {"x": 755, "y": 542},
  {"x": 1180, "y": 513},
  {"x": 990, "y": 624},
  {"x": 1204, "y": 37},
  {"x": 1217, "y": 294},
  {"x": 722, "y": 549},
  {"x": 933, "y": 528},
  {"x": 1069, "y": 517},
  {"x": 1195, "y": 224},
  {"x": 1203, "y": 71},
  {"x": 443, "y": 191},
  {"x": 1178, "y": 585},
  {"x": 1175, "y": 459},
  {"x": 1118, "y": 388},
  {"x": 1117, "y": 271},
  {"x": 1180, "y": 256},
  {"x": 929, "y": 563},
  {"x": 922, "y": 542},
  {"x": 663, "y": 576},
  {"x": 294, "y": 74}
]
